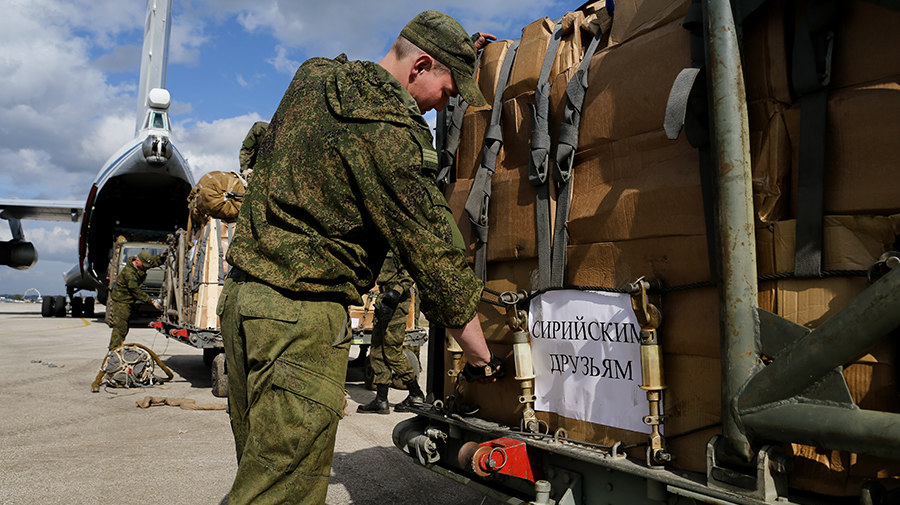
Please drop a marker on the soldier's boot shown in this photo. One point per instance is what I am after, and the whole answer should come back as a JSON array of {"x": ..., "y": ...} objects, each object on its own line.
[
  {"x": 379, "y": 405},
  {"x": 415, "y": 397}
]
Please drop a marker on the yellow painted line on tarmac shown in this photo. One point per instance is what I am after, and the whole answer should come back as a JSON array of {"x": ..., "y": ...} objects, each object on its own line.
[{"x": 83, "y": 320}]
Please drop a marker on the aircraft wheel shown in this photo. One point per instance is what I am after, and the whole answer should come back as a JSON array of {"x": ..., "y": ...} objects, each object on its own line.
[
  {"x": 89, "y": 307},
  {"x": 219, "y": 377},
  {"x": 77, "y": 306},
  {"x": 59, "y": 306},
  {"x": 47, "y": 306}
]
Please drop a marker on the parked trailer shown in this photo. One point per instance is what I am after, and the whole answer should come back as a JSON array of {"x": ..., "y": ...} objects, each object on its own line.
[
  {"x": 779, "y": 383},
  {"x": 196, "y": 270},
  {"x": 195, "y": 276}
]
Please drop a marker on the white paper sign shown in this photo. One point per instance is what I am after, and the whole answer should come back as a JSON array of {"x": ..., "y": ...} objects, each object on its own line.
[{"x": 587, "y": 358}]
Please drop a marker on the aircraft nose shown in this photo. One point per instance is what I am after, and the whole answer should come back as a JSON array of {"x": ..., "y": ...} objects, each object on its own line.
[{"x": 156, "y": 149}]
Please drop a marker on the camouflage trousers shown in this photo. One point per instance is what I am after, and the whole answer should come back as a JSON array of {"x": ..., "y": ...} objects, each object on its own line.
[
  {"x": 117, "y": 315},
  {"x": 386, "y": 353},
  {"x": 286, "y": 362}
]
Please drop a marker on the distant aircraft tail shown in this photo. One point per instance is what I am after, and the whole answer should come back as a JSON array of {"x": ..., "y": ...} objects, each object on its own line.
[{"x": 155, "y": 54}]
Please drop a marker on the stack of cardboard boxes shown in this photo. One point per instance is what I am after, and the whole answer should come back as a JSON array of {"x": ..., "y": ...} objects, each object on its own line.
[{"x": 637, "y": 208}]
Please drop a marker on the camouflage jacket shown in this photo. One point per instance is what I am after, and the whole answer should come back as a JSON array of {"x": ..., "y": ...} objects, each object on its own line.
[
  {"x": 393, "y": 276},
  {"x": 345, "y": 173},
  {"x": 250, "y": 146},
  {"x": 129, "y": 283}
]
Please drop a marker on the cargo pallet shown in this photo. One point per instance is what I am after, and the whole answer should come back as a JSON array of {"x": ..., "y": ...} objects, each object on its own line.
[{"x": 781, "y": 382}]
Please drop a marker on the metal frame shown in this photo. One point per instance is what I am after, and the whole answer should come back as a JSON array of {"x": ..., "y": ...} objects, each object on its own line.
[{"x": 798, "y": 397}]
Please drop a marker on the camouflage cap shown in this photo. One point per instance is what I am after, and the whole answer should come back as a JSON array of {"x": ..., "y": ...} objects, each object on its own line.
[
  {"x": 145, "y": 256},
  {"x": 444, "y": 38}
]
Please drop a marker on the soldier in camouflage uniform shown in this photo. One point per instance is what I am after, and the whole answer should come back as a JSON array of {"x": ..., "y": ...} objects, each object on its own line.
[
  {"x": 250, "y": 148},
  {"x": 388, "y": 333},
  {"x": 127, "y": 291},
  {"x": 344, "y": 174}
]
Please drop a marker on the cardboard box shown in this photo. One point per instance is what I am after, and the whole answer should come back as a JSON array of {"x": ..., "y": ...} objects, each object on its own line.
[
  {"x": 633, "y": 19},
  {"x": 865, "y": 43},
  {"x": 629, "y": 84},
  {"x": 535, "y": 40},
  {"x": 488, "y": 71},
  {"x": 850, "y": 242},
  {"x": 770, "y": 156},
  {"x": 861, "y": 145},
  {"x": 517, "y": 125},
  {"x": 511, "y": 216},
  {"x": 765, "y": 53},
  {"x": 471, "y": 142},
  {"x": 690, "y": 317},
  {"x": 526, "y": 69},
  {"x": 639, "y": 187},
  {"x": 512, "y": 228}
]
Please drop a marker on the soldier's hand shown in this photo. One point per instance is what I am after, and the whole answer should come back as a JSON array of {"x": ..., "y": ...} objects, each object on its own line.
[
  {"x": 158, "y": 305},
  {"x": 492, "y": 372},
  {"x": 481, "y": 39}
]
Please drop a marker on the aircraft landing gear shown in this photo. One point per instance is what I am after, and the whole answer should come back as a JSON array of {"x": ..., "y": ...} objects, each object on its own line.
[{"x": 53, "y": 306}]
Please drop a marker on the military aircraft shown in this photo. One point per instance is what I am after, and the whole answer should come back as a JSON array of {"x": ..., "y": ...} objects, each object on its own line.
[{"x": 140, "y": 193}]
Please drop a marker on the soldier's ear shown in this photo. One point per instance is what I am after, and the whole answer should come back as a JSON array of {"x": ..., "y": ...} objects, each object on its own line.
[{"x": 423, "y": 63}]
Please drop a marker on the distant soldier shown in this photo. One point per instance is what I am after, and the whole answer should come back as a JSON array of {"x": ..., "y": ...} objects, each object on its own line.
[
  {"x": 388, "y": 333},
  {"x": 251, "y": 146},
  {"x": 127, "y": 292}
]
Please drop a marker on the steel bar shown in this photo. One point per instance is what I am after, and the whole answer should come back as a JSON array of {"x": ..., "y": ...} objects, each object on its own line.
[
  {"x": 837, "y": 428},
  {"x": 738, "y": 320},
  {"x": 842, "y": 338}
]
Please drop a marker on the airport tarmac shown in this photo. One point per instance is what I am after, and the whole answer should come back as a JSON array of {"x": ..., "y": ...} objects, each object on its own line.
[{"x": 62, "y": 444}]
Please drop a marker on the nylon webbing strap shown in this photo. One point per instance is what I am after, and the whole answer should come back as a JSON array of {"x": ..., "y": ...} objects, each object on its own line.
[
  {"x": 454, "y": 130},
  {"x": 480, "y": 196},
  {"x": 676, "y": 106},
  {"x": 811, "y": 74},
  {"x": 565, "y": 160},
  {"x": 451, "y": 144},
  {"x": 539, "y": 161}
]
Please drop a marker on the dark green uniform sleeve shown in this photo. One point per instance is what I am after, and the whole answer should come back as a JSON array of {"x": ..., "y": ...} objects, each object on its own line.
[
  {"x": 133, "y": 282},
  {"x": 403, "y": 201},
  {"x": 250, "y": 146}
]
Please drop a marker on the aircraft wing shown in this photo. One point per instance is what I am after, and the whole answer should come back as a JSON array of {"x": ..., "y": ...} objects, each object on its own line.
[{"x": 46, "y": 210}]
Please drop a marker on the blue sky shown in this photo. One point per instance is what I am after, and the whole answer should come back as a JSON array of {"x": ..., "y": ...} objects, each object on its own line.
[{"x": 70, "y": 73}]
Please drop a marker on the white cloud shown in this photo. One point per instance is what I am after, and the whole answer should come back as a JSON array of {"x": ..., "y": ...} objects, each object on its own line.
[
  {"x": 282, "y": 63},
  {"x": 214, "y": 146},
  {"x": 185, "y": 42}
]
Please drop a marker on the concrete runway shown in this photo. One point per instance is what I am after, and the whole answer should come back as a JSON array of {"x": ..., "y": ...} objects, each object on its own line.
[{"x": 62, "y": 444}]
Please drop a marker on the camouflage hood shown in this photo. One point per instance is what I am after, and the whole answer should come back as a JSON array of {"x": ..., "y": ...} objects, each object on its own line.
[{"x": 365, "y": 90}]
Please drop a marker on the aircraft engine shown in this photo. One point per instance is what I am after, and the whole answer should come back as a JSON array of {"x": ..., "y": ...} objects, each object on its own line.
[
  {"x": 156, "y": 149},
  {"x": 18, "y": 254}
]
